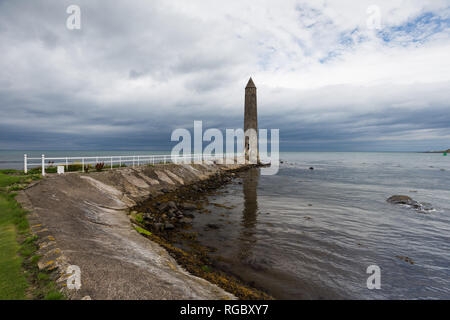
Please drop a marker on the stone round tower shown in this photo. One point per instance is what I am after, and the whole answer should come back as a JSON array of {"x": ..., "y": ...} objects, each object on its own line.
[{"x": 251, "y": 123}]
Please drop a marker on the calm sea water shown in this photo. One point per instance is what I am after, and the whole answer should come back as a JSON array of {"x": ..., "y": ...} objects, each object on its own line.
[{"x": 311, "y": 234}]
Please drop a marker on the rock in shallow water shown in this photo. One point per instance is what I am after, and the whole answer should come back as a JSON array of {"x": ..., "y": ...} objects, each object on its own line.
[
  {"x": 186, "y": 220},
  {"x": 168, "y": 226},
  {"x": 172, "y": 205},
  {"x": 189, "y": 206},
  {"x": 400, "y": 199},
  {"x": 405, "y": 200}
]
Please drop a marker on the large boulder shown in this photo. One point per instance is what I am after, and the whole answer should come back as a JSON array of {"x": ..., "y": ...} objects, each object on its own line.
[
  {"x": 186, "y": 220},
  {"x": 172, "y": 205},
  {"x": 400, "y": 199},
  {"x": 189, "y": 206},
  {"x": 168, "y": 226},
  {"x": 405, "y": 200},
  {"x": 167, "y": 207}
]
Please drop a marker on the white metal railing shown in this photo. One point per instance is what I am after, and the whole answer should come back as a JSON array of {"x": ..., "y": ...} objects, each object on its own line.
[{"x": 134, "y": 160}]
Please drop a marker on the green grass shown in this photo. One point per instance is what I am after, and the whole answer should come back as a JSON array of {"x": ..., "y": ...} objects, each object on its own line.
[
  {"x": 7, "y": 180},
  {"x": 18, "y": 261},
  {"x": 54, "y": 295},
  {"x": 53, "y": 169},
  {"x": 13, "y": 282},
  {"x": 74, "y": 168}
]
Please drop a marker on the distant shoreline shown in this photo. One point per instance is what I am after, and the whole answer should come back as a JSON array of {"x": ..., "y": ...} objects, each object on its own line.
[{"x": 444, "y": 151}]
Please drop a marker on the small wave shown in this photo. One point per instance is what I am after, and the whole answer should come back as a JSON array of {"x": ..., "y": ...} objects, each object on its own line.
[{"x": 420, "y": 207}]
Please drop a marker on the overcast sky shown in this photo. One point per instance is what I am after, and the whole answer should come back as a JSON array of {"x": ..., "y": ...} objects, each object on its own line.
[{"x": 136, "y": 70}]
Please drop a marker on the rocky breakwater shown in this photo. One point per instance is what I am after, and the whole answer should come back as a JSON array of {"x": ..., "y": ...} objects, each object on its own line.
[
  {"x": 173, "y": 209},
  {"x": 85, "y": 218},
  {"x": 166, "y": 218}
]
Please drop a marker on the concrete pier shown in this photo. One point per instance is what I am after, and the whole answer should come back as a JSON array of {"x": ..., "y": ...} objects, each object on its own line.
[{"x": 81, "y": 219}]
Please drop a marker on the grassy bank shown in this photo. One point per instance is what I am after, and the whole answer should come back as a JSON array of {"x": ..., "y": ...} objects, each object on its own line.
[
  {"x": 19, "y": 275},
  {"x": 77, "y": 167}
]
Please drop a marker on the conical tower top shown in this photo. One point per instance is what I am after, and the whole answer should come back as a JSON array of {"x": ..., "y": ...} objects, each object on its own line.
[{"x": 250, "y": 84}]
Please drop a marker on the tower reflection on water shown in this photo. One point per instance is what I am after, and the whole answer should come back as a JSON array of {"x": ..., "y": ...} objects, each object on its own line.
[{"x": 249, "y": 214}]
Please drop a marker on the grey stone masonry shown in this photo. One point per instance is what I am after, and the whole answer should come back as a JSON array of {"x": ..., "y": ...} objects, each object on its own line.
[{"x": 251, "y": 122}]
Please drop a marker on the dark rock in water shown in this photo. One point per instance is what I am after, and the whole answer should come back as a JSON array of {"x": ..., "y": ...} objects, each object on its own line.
[
  {"x": 189, "y": 206},
  {"x": 311, "y": 168},
  {"x": 186, "y": 220},
  {"x": 405, "y": 200},
  {"x": 168, "y": 206},
  {"x": 406, "y": 259},
  {"x": 163, "y": 207},
  {"x": 212, "y": 226},
  {"x": 189, "y": 215},
  {"x": 148, "y": 216},
  {"x": 168, "y": 226},
  {"x": 400, "y": 199},
  {"x": 164, "y": 190},
  {"x": 172, "y": 205},
  {"x": 170, "y": 214}
]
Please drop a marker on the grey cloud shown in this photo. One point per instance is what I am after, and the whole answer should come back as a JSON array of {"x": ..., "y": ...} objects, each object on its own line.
[{"x": 139, "y": 69}]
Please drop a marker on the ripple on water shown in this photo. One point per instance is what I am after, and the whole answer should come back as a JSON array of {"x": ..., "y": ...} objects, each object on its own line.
[{"x": 310, "y": 234}]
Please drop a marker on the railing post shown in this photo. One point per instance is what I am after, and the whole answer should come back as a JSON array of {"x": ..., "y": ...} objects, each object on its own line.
[
  {"x": 120, "y": 162},
  {"x": 43, "y": 165},
  {"x": 133, "y": 161},
  {"x": 25, "y": 163},
  {"x": 164, "y": 159},
  {"x": 138, "y": 160},
  {"x": 67, "y": 164},
  {"x": 111, "y": 163},
  {"x": 82, "y": 164}
]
